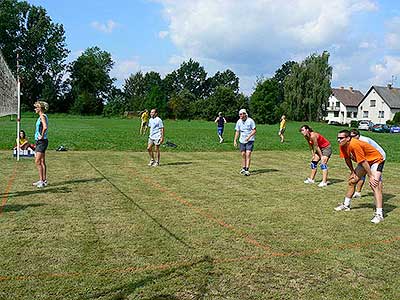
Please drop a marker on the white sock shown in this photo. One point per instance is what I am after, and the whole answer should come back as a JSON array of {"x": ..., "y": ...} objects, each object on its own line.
[
  {"x": 379, "y": 211},
  {"x": 347, "y": 201}
]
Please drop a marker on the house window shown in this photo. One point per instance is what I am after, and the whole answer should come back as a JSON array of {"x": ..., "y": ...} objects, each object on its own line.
[
  {"x": 381, "y": 114},
  {"x": 355, "y": 114},
  {"x": 365, "y": 114},
  {"x": 336, "y": 114},
  {"x": 372, "y": 103},
  {"x": 337, "y": 104},
  {"x": 349, "y": 114}
]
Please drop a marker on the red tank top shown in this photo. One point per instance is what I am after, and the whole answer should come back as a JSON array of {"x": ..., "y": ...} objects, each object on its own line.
[{"x": 322, "y": 142}]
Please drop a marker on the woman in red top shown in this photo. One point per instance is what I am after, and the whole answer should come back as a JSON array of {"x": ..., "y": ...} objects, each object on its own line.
[{"x": 320, "y": 151}]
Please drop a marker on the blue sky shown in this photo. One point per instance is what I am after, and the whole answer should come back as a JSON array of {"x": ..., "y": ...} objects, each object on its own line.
[{"x": 252, "y": 38}]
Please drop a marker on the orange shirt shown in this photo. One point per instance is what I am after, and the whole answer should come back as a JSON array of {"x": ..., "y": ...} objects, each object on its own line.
[
  {"x": 321, "y": 141},
  {"x": 359, "y": 151}
]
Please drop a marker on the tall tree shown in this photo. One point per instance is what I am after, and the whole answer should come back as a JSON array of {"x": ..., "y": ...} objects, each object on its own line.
[
  {"x": 264, "y": 102},
  {"x": 307, "y": 88},
  {"x": 227, "y": 78},
  {"x": 91, "y": 84},
  {"x": 28, "y": 30}
]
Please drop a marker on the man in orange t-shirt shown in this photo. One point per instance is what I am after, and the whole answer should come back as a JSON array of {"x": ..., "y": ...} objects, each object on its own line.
[{"x": 370, "y": 162}]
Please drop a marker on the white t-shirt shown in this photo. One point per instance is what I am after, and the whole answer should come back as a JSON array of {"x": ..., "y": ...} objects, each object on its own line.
[
  {"x": 155, "y": 125},
  {"x": 245, "y": 129},
  {"x": 373, "y": 144}
]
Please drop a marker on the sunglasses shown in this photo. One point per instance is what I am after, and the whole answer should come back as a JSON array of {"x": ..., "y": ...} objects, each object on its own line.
[{"x": 339, "y": 138}]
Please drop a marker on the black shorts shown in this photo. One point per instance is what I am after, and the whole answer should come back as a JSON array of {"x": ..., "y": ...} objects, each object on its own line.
[{"x": 41, "y": 146}]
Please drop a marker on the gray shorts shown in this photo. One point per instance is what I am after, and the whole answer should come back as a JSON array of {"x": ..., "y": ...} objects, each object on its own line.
[
  {"x": 41, "y": 146},
  {"x": 156, "y": 142},
  {"x": 247, "y": 147},
  {"x": 327, "y": 151}
]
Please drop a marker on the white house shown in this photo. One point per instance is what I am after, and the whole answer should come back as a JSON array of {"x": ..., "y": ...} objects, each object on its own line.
[
  {"x": 379, "y": 104},
  {"x": 343, "y": 105}
]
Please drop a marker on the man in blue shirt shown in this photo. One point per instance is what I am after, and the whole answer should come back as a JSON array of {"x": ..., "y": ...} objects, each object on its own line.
[{"x": 246, "y": 129}]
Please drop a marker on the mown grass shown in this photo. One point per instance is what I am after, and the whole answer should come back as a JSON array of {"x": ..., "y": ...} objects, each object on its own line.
[
  {"x": 97, "y": 133},
  {"x": 109, "y": 227}
]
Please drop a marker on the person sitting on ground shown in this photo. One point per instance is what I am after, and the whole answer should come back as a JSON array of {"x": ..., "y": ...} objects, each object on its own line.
[{"x": 23, "y": 141}]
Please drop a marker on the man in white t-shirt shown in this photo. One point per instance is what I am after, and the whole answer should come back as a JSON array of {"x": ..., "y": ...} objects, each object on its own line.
[
  {"x": 246, "y": 129},
  {"x": 354, "y": 133},
  {"x": 156, "y": 137}
]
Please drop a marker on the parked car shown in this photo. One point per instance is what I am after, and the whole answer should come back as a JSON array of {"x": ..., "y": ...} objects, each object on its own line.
[
  {"x": 380, "y": 128},
  {"x": 365, "y": 125},
  {"x": 335, "y": 123},
  {"x": 395, "y": 128}
]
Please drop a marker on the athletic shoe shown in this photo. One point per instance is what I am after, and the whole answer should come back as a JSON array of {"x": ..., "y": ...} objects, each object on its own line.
[
  {"x": 342, "y": 207},
  {"x": 246, "y": 173},
  {"x": 40, "y": 184},
  {"x": 242, "y": 171},
  {"x": 308, "y": 180},
  {"x": 45, "y": 183},
  {"x": 377, "y": 218},
  {"x": 221, "y": 141},
  {"x": 156, "y": 164},
  {"x": 323, "y": 184},
  {"x": 151, "y": 162},
  {"x": 357, "y": 195}
]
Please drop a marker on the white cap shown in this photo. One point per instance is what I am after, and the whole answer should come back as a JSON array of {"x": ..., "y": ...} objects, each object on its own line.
[{"x": 242, "y": 111}]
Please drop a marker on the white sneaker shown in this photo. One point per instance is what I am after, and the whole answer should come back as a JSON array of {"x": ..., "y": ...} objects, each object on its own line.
[
  {"x": 151, "y": 162},
  {"x": 309, "y": 180},
  {"x": 357, "y": 195},
  {"x": 342, "y": 207},
  {"x": 242, "y": 171},
  {"x": 323, "y": 184},
  {"x": 221, "y": 141},
  {"x": 156, "y": 164},
  {"x": 377, "y": 218},
  {"x": 246, "y": 173},
  {"x": 40, "y": 182}
]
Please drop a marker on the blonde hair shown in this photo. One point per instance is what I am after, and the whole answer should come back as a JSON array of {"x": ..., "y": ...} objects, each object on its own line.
[{"x": 43, "y": 105}]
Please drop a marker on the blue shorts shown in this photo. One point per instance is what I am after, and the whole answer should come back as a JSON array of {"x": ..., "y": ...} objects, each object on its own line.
[
  {"x": 247, "y": 147},
  {"x": 220, "y": 130}
]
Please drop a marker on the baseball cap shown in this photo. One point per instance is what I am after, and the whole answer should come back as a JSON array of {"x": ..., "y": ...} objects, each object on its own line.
[{"x": 242, "y": 111}]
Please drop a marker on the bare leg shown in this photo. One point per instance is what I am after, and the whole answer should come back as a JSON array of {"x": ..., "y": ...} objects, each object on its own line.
[{"x": 248, "y": 159}]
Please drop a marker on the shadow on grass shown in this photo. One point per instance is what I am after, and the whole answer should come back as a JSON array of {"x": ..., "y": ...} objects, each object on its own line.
[
  {"x": 387, "y": 208},
  {"x": 18, "y": 207},
  {"x": 262, "y": 171},
  {"x": 178, "y": 163},
  {"x": 335, "y": 180},
  {"x": 60, "y": 190},
  {"x": 204, "y": 269},
  {"x": 386, "y": 197},
  {"x": 75, "y": 181}
]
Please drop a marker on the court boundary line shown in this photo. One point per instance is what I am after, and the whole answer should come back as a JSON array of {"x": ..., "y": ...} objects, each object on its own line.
[
  {"x": 7, "y": 190},
  {"x": 200, "y": 211},
  {"x": 219, "y": 261}
]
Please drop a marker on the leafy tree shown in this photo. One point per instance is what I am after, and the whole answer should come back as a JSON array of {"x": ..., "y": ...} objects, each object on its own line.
[
  {"x": 28, "y": 30},
  {"x": 181, "y": 105},
  {"x": 227, "y": 78},
  {"x": 307, "y": 88},
  {"x": 90, "y": 81},
  {"x": 156, "y": 99},
  {"x": 264, "y": 102},
  {"x": 116, "y": 105},
  {"x": 191, "y": 77}
]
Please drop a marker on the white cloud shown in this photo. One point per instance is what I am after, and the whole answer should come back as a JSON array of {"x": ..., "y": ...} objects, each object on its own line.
[
  {"x": 107, "y": 27},
  {"x": 163, "y": 34},
  {"x": 124, "y": 68},
  {"x": 238, "y": 31},
  {"x": 384, "y": 71},
  {"x": 392, "y": 37}
]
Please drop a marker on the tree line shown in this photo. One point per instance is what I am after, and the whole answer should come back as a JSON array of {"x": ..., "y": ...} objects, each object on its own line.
[{"x": 298, "y": 89}]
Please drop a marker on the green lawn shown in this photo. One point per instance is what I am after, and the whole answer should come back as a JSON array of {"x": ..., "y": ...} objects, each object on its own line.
[
  {"x": 109, "y": 227},
  {"x": 96, "y": 133}
]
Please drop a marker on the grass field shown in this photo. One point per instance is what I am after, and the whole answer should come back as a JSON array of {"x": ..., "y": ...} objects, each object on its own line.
[{"x": 109, "y": 227}]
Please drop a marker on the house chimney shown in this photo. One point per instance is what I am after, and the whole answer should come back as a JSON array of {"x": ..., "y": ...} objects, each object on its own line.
[
  {"x": 350, "y": 88},
  {"x": 389, "y": 86}
]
